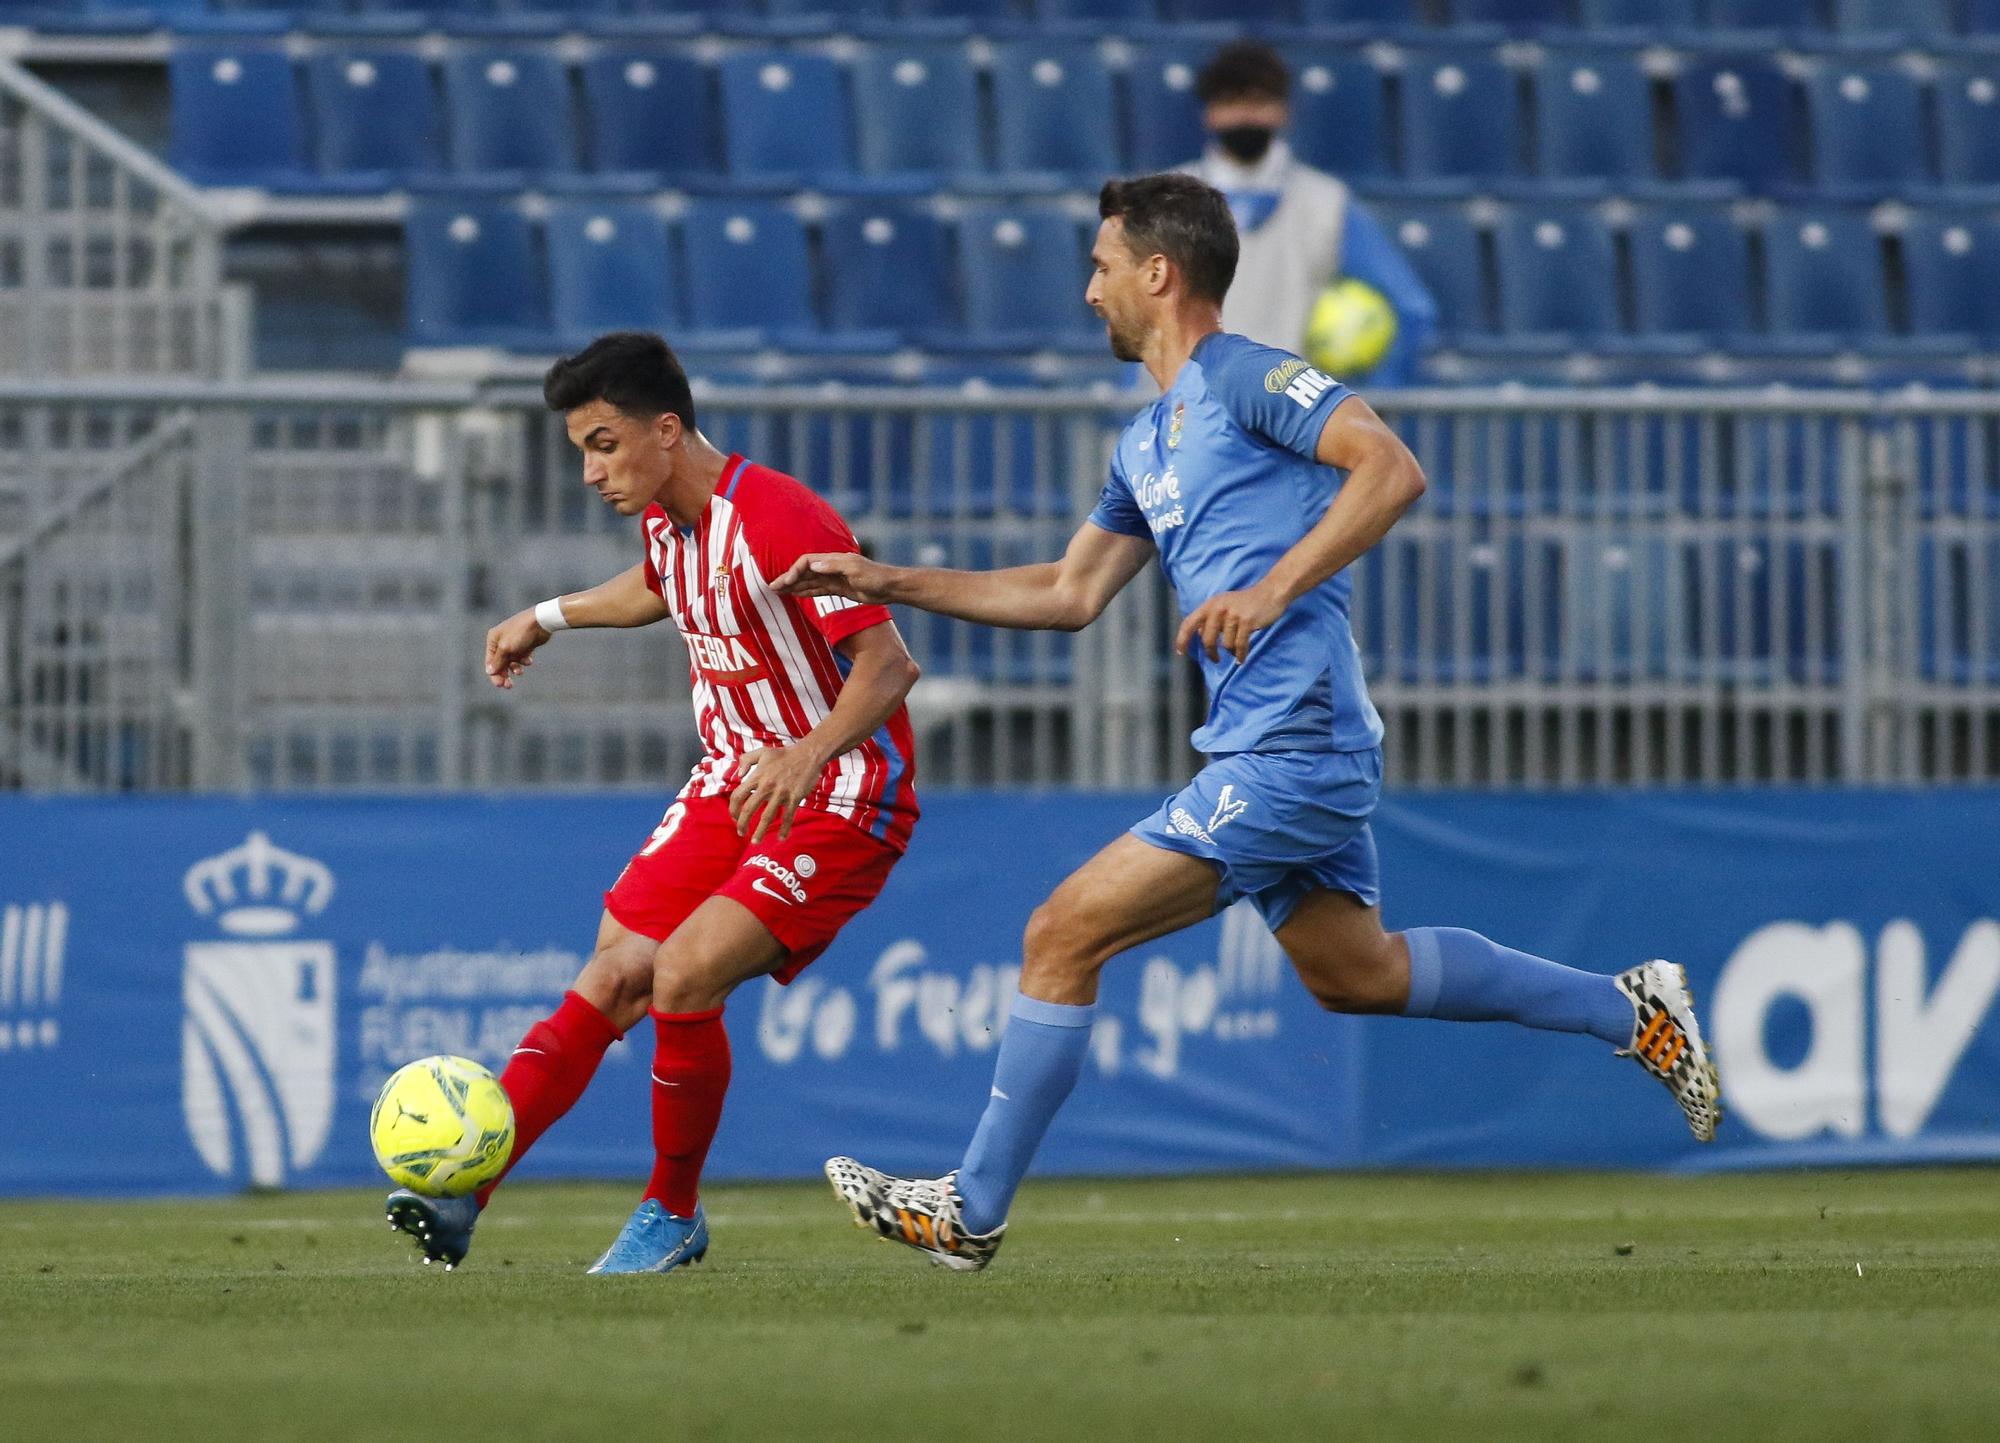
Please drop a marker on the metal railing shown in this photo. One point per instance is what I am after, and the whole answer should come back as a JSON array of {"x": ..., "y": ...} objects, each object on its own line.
[
  {"x": 287, "y": 586},
  {"x": 110, "y": 264}
]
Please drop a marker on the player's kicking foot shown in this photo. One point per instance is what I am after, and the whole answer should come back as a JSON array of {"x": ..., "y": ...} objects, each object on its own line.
[
  {"x": 924, "y": 1213},
  {"x": 1666, "y": 1041},
  {"x": 442, "y": 1226},
  {"x": 654, "y": 1240}
]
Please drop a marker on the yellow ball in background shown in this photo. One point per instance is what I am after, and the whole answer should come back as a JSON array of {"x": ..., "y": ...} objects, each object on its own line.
[
  {"x": 1350, "y": 330},
  {"x": 442, "y": 1126}
]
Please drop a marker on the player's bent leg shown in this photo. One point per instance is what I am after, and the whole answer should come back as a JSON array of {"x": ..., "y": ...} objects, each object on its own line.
[
  {"x": 1342, "y": 955},
  {"x": 720, "y": 946},
  {"x": 559, "y": 1055},
  {"x": 1128, "y": 894},
  {"x": 547, "y": 1073},
  {"x": 1350, "y": 964}
]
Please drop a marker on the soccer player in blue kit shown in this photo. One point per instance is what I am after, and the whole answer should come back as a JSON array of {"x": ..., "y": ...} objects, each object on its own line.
[{"x": 1256, "y": 480}]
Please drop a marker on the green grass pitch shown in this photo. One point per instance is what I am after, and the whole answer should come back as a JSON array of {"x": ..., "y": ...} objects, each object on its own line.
[{"x": 1801, "y": 1305}]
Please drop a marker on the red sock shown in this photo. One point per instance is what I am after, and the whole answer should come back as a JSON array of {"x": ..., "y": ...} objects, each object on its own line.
[
  {"x": 690, "y": 1076},
  {"x": 549, "y": 1071}
]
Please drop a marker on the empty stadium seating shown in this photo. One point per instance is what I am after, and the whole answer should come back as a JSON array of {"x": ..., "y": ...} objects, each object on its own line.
[
  {"x": 1593, "y": 113},
  {"x": 611, "y": 268},
  {"x": 510, "y": 111},
  {"x": 1690, "y": 276},
  {"x": 649, "y": 111},
  {"x": 1558, "y": 276},
  {"x": 374, "y": 113},
  {"x": 1460, "y": 124},
  {"x": 476, "y": 275},
  {"x": 1811, "y": 105}
]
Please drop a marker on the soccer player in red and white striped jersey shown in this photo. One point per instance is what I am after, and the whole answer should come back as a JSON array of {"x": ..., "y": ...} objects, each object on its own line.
[{"x": 802, "y": 802}]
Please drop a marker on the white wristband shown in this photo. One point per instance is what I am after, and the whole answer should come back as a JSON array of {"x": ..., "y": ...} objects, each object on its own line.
[{"x": 549, "y": 615}]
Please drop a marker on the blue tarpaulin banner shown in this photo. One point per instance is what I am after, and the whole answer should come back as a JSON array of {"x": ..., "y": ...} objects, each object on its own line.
[{"x": 204, "y": 994}]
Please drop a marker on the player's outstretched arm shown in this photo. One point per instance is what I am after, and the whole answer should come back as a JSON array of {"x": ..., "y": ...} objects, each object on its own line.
[
  {"x": 1065, "y": 595},
  {"x": 1383, "y": 481},
  {"x": 624, "y": 600}
]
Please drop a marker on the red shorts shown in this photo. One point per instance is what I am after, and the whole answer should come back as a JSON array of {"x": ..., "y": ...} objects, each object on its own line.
[{"x": 804, "y": 889}]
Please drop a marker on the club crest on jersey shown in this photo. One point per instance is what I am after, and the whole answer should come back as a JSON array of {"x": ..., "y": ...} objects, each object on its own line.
[
  {"x": 721, "y": 577},
  {"x": 723, "y": 659},
  {"x": 1174, "y": 430}
]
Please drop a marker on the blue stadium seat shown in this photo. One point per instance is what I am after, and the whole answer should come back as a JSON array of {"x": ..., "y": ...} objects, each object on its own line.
[
  {"x": 1736, "y": 120},
  {"x": 1967, "y": 96},
  {"x": 980, "y": 12},
  {"x": 1648, "y": 15},
  {"x": 1459, "y": 122},
  {"x": 374, "y": 111},
  {"x": 1690, "y": 277},
  {"x": 649, "y": 111},
  {"x": 1267, "y": 12},
  {"x": 235, "y": 116},
  {"x": 1780, "y": 15},
  {"x": 1098, "y": 10},
  {"x": 1166, "y": 116},
  {"x": 1867, "y": 129},
  {"x": 1442, "y": 246},
  {"x": 749, "y": 273},
  {"x": 1617, "y": 599},
  {"x": 1055, "y": 111},
  {"x": 1824, "y": 277},
  {"x": 1953, "y": 268},
  {"x": 916, "y": 109},
  {"x": 888, "y": 272},
  {"x": 1371, "y": 13},
  {"x": 510, "y": 110},
  {"x": 475, "y": 275},
  {"x": 1558, "y": 275},
  {"x": 809, "y": 15},
  {"x": 1758, "y": 611},
  {"x": 1339, "y": 116},
  {"x": 1917, "y": 19},
  {"x": 1513, "y": 14},
  {"x": 612, "y": 267},
  {"x": 1023, "y": 271},
  {"x": 1594, "y": 114},
  {"x": 1446, "y": 608},
  {"x": 1958, "y": 610},
  {"x": 785, "y": 116}
]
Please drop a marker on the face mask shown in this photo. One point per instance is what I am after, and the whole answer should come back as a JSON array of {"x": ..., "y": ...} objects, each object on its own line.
[{"x": 1246, "y": 143}]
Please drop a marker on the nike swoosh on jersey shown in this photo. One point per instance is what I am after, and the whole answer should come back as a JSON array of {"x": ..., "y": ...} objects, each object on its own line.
[{"x": 760, "y": 885}]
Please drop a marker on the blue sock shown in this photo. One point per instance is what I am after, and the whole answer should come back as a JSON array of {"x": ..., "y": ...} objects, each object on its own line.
[
  {"x": 1041, "y": 1055},
  {"x": 1462, "y": 977}
]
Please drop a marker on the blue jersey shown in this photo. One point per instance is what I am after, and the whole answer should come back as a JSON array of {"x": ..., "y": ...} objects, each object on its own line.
[{"x": 1219, "y": 474}]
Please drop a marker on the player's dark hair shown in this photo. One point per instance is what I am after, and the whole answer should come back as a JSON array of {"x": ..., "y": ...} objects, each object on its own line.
[
  {"x": 635, "y": 371},
  {"x": 1182, "y": 218},
  {"x": 1244, "y": 70}
]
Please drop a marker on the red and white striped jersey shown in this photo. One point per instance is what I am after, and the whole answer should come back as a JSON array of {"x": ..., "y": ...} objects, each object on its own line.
[{"x": 763, "y": 666}]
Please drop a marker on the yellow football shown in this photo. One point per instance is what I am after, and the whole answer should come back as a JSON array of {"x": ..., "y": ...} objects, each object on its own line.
[
  {"x": 1350, "y": 330},
  {"x": 442, "y": 1126}
]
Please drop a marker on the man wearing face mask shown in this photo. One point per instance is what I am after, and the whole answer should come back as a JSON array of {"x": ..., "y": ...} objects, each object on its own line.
[{"x": 1300, "y": 229}]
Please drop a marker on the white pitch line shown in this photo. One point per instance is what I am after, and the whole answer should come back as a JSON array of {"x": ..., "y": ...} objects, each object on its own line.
[{"x": 1106, "y": 1216}]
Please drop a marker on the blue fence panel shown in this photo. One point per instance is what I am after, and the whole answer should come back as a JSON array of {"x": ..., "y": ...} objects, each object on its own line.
[{"x": 202, "y": 994}]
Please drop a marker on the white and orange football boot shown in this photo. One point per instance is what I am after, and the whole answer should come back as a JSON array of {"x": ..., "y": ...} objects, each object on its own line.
[
  {"x": 1666, "y": 1041},
  {"x": 922, "y": 1213}
]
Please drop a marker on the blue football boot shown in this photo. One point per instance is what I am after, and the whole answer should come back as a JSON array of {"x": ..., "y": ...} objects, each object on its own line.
[
  {"x": 442, "y": 1226},
  {"x": 653, "y": 1240}
]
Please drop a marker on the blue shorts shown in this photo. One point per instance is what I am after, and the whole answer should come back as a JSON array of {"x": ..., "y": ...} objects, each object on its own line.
[{"x": 1278, "y": 825}]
